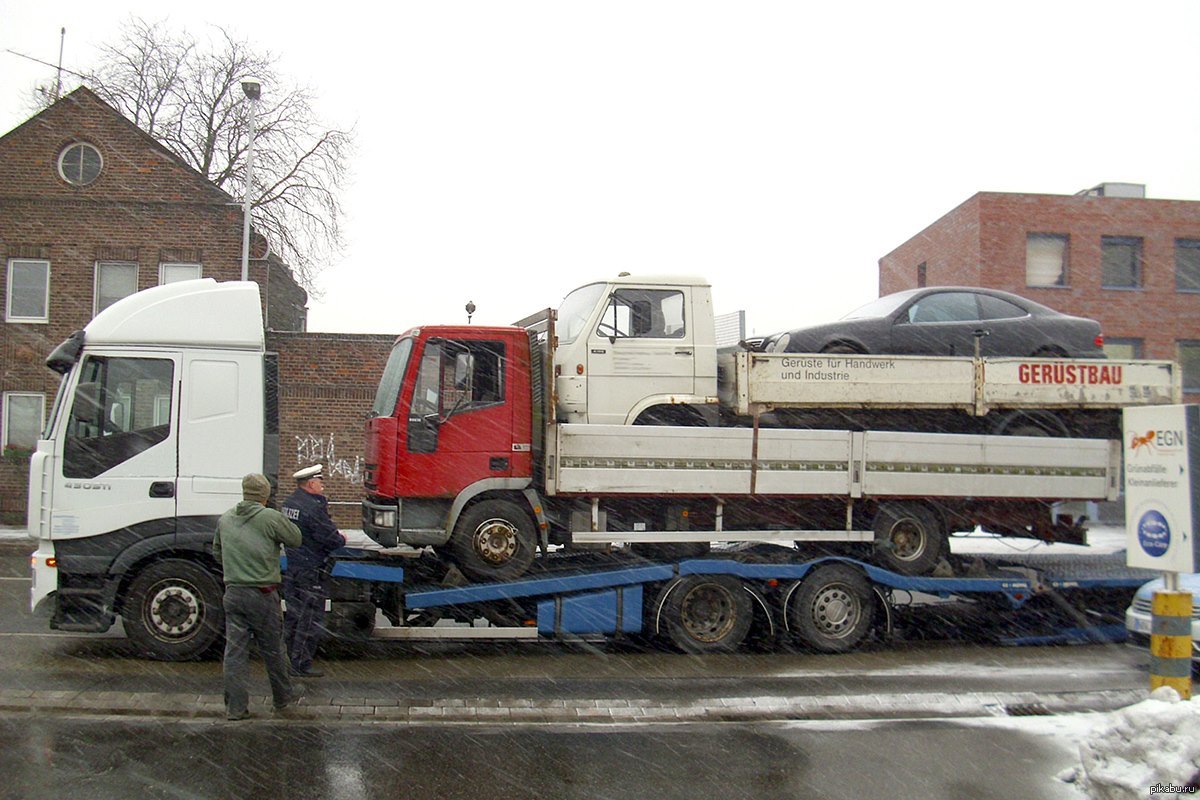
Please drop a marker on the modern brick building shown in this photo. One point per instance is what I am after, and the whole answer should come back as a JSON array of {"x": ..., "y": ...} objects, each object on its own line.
[
  {"x": 93, "y": 209},
  {"x": 1108, "y": 253}
]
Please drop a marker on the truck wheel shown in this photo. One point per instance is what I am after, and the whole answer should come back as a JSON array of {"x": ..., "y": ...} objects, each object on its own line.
[
  {"x": 707, "y": 613},
  {"x": 494, "y": 540},
  {"x": 909, "y": 538},
  {"x": 832, "y": 609},
  {"x": 173, "y": 611}
]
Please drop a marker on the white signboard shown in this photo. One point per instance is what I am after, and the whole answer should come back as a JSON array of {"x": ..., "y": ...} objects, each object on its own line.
[{"x": 1162, "y": 464}]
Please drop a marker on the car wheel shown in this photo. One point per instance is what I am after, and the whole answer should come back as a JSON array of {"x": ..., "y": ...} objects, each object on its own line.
[{"x": 841, "y": 348}]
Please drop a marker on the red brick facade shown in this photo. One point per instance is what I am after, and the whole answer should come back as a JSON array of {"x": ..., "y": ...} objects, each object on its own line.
[
  {"x": 983, "y": 243},
  {"x": 326, "y": 386},
  {"x": 145, "y": 207}
]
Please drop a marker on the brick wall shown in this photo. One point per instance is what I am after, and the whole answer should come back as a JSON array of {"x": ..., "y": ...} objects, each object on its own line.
[
  {"x": 989, "y": 250},
  {"x": 327, "y": 384},
  {"x": 145, "y": 207}
]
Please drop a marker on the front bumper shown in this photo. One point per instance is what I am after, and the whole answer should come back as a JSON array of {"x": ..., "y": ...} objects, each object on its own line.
[
  {"x": 1138, "y": 623},
  {"x": 384, "y": 523}
]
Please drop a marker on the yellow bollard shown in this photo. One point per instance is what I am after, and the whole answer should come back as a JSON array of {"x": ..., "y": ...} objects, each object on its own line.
[{"x": 1171, "y": 642}]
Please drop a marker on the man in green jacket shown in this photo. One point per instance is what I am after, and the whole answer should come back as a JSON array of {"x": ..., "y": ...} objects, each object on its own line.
[{"x": 246, "y": 546}]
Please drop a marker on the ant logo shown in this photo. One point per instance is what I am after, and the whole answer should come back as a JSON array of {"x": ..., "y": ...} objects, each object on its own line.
[{"x": 1138, "y": 442}]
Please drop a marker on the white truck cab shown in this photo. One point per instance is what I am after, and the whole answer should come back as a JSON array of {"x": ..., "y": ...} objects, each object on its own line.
[
  {"x": 636, "y": 347},
  {"x": 159, "y": 413}
]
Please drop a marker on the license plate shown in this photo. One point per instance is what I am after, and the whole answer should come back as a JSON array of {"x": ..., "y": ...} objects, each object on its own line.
[{"x": 1139, "y": 625}]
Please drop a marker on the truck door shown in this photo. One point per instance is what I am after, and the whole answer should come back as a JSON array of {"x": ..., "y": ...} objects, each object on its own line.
[
  {"x": 116, "y": 457},
  {"x": 460, "y": 422},
  {"x": 642, "y": 346}
]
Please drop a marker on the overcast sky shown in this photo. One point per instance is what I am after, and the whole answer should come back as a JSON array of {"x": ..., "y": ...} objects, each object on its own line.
[{"x": 511, "y": 151}]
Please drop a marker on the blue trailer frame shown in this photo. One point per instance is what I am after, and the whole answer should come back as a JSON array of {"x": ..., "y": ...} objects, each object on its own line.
[{"x": 624, "y": 594}]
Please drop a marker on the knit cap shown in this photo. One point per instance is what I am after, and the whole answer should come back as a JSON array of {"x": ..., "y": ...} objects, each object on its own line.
[{"x": 256, "y": 487}]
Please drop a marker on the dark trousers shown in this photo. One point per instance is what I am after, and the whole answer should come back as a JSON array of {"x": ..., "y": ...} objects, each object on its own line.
[
  {"x": 251, "y": 612},
  {"x": 305, "y": 595}
]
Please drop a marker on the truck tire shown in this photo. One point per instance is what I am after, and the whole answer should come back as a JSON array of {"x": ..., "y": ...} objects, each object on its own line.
[
  {"x": 832, "y": 609},
  {"x": 494, "y": 540},
  {"x": 909, "y": 538},
  {"x": 173, "y": 611},
  {"x": 706, "y": 613}
]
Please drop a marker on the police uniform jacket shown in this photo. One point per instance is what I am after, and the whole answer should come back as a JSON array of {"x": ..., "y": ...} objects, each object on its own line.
[{"x": 321, "y": 537}]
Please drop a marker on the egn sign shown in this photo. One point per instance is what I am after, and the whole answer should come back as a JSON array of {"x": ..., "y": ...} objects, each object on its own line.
[{"x": 1162, "y": 465}]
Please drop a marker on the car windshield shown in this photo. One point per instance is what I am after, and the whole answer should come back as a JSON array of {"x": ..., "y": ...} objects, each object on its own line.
[
  {"x": 883, "y": 307},
  {"x": 575, "y": 309}
]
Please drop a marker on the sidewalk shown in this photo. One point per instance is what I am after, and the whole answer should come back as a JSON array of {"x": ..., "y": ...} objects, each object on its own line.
[{"x": 319, "y": 707}]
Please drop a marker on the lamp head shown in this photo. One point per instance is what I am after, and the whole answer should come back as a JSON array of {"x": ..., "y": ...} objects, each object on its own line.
[{"x": 252, "y": 89}]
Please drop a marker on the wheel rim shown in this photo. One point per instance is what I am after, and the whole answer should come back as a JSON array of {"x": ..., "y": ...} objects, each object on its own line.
[
  {"x": 836, "y": 610},
  {"x": 496, "y": 540},
  {"x": 907, "y": 540},
  {"x": 173, "y": 610},
  {"x": 707, "y": 613}
]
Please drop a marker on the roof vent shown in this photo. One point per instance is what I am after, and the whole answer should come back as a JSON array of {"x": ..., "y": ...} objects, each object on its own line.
[{"x": 1137, "y": 190}]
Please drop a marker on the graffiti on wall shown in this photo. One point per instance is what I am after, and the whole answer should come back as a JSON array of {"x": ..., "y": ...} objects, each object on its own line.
[{"x": 315, "y": 449}]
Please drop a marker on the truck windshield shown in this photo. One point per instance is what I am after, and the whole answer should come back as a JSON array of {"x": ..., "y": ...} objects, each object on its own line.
[
  {"x": 393, "y": 377},
  {"x": 575, "y": 309}
]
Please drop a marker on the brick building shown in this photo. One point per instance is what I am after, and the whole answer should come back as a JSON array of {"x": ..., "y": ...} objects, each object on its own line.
[
  {"x": 93, "y": 209},
  {"x": 1108, "y": 253},
  {"x": 327, "y": 384}
]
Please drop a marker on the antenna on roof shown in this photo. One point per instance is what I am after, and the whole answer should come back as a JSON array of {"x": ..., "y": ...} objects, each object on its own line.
[{"x": 62, "y": 40}]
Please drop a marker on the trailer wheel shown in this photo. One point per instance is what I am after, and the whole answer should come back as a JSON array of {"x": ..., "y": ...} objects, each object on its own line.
[
  {"x": 173, "y": 611},
  {"x": 707, "y": 613},
  {"x": 832, "y": 609},
  {"x": 909, "y": 538},
  {"x": 494, "y": 540}
]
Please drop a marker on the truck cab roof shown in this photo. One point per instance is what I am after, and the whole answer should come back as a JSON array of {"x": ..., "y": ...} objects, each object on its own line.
[{"x": 199, "y": 313}]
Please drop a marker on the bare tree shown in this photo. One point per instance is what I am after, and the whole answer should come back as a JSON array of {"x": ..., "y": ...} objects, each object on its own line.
[{"x": 187, "y": 94}]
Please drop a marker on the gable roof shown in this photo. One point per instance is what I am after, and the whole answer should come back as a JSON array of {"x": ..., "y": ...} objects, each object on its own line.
[{"x": 83, "y": 116}]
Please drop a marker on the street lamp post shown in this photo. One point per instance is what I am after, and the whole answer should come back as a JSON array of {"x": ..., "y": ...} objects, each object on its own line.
[{"x": 252, "y": 89}]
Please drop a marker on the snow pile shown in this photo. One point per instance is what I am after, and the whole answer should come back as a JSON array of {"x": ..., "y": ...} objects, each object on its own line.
[{"x": 1149, "y": 749}]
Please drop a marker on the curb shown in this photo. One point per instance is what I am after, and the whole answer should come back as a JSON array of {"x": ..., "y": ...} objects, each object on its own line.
[{"x": 314, "y": 708}]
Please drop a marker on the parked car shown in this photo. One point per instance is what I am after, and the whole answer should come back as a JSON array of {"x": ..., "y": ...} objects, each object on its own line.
[
  {"x": 945, "y": 321},
  {"x": 1137, "y": 616}
]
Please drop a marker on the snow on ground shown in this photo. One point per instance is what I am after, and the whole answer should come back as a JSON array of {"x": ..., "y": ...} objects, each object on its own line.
[
  {"x": 1151, "y": 747},
  {"x": 1102, "y": 539}
]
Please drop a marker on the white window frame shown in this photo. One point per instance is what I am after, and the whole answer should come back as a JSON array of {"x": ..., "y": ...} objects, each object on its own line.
[
  {"x": 8, "y": 315},
  {"x": 165, "y": 265},
  {"x": 8, "y": 398},
  {"x": 62, "y": 155},
  {"x": 96, "y": 282}
]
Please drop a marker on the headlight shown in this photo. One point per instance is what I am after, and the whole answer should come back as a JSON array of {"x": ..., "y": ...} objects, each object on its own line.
[
  {"x": 384, "y": 519},
  {"x": 780, "y": 344}
]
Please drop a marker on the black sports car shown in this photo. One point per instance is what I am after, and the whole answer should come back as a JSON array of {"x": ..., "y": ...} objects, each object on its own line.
[{"x": 946, "y": 321}]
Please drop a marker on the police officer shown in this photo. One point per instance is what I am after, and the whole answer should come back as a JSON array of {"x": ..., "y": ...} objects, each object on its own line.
[{"x": 303, "y": 581}]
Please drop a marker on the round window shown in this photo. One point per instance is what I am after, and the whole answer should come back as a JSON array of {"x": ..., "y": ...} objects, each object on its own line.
[{"x": 79, "y": 164}]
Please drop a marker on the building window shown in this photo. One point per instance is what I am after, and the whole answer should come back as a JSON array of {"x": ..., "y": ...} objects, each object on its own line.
[
  {"x": 922, "y": 275},
  {"x": 1046, "y": 259},
  {"x": 1189, "y": 360},
  {"x": 28, "y": 290},
  {"x": 114, "y": 280},
  {"x": 172, "y": 273},
  {"x": 1123, "y": 349},
  {"x": 1187, "y": 265},
  {"x": 1120, "y": 262},
  {"x": 79, "y": 164},
  {"x": 23, "y": 420}
]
